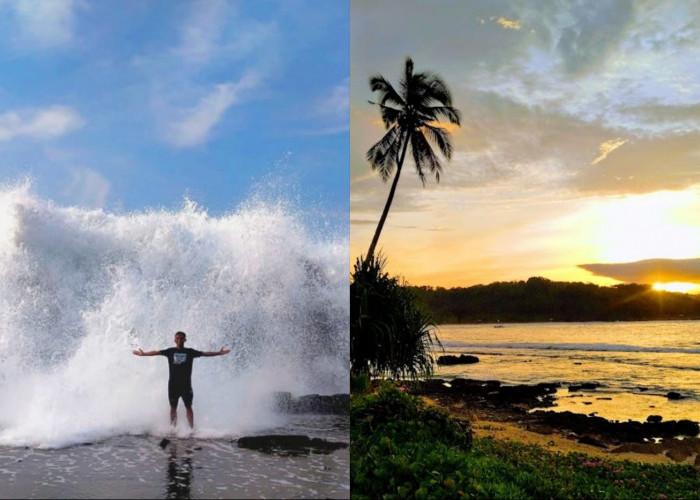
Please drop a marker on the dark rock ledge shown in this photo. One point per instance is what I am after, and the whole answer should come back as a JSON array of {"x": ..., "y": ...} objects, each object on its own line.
[
  {"x": 290, "y": 445},
  {"x": 336, "y": 404},
  {"x": 464, "y": 359},
  {"x": 513, "y": 403}
]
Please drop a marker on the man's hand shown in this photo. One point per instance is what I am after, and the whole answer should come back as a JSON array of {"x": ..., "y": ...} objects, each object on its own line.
[
  {"x": 139, "y": 352},
  {"x": 224, "y": 351}
]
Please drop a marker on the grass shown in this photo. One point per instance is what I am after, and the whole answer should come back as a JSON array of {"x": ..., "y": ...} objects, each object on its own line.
[{"x": 401, "y": 449}]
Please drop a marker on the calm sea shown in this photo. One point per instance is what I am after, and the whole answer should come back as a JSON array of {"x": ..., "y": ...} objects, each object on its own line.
[{"x": 636, "y": 363}]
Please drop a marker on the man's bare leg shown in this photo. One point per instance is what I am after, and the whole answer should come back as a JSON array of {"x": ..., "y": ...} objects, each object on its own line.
[
  {"x": 190, "y": 417},
  {"x": 173, "y": 416}
]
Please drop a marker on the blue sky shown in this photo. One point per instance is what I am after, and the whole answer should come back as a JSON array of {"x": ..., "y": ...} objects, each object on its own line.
[{"x": 127, "y": 105}]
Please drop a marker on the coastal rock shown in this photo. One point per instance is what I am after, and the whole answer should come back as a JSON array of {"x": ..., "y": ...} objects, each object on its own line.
[
  {"x": 491, "y": 391},
  {"x": 675, "y": 449},
  {"x": 337, "y": 404},
  {"x": 619, "y": 432},
  {"x": 463, "y": 359},
  {"x": 289, "y": 445},
  {"x": 587, "y": 386},
  {"x": 672, "y": 395},
  {"x": 591, "y": 441},
  {"x": 654, "y": 419}
]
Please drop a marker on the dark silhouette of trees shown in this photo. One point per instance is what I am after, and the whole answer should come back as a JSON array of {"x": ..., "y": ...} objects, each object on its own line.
[
  {"x": 389, "y": 334},
  {"x": 411, "y": 116},
  {"x": 539, "y": 299}
]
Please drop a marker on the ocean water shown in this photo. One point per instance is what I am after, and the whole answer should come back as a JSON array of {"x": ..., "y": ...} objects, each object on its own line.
[
  {"x": 80, "y": 289},
  {"x": 636, "y": 363}
]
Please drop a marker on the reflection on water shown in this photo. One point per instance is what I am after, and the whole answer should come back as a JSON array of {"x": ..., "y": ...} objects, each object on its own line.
[
  {"x": 138, "y": 467},
  {"x": 635, "y": 364},
  {"x": 179, "y": 473}
]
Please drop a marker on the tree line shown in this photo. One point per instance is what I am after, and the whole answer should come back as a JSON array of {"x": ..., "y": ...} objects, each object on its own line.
[{"x": 539, "y": 299}]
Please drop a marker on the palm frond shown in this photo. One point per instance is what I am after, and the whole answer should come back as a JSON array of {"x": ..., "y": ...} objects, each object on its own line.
[
  {"x": 424, "y": 155},
  {"x": 441, "y": 138},
  {"x": 387, "y": 93},
  {"x": 439, "y": 91},
  {"x": 384, "y": 154},
  {"x": 452, "y": 114},
  {"x": 390, "y": 116}
]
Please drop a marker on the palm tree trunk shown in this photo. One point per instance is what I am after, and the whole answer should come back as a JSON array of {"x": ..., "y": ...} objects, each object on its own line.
[{"x": 392, "y": 191}]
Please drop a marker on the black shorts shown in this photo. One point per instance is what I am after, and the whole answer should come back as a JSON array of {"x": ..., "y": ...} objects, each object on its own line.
[{"x": 176, "y": 392}]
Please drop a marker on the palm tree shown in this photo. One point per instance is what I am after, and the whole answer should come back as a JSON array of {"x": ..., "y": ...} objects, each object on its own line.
[{"x": 411, "y": 117}]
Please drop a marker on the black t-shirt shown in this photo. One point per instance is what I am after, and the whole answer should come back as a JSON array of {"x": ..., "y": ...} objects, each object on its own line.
[{"x": 180, "y": 364}]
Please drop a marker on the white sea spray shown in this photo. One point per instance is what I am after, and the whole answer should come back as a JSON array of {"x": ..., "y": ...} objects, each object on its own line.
[{"x": 80, "y": 289}]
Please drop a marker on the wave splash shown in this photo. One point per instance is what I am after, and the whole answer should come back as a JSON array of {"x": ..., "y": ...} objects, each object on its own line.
[{"x": 80, "y": 289}]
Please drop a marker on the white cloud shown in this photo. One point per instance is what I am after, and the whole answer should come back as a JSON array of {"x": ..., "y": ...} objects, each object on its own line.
[
  {"x": 332, "y": 111},
  {"x": 201, "y": 32},
  {"x": 47, "y": 123},
  {"x": 46, "y": 23},
  {"x": 195, "y": 125},
  {"x": 87, "y": 187},
  {"x": 213, "y": 30},
  {"x": 337, "y": 102}
]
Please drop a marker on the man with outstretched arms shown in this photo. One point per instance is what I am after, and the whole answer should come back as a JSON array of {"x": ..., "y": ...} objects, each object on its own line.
[{"x": 180, "y": 365}]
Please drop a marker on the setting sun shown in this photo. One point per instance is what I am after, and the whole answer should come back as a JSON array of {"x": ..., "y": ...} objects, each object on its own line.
[{"x": 677, "y": 286}]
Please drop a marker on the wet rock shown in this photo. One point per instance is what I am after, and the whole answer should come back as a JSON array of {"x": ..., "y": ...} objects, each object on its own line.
[
  {"x": 164, "y": 442},
  {"x": 672, "y": 395},
  {"x": 490, "y": 391},
  {"x": 463, "y": 359},
  {"x": 337, "y": 404},
  {"x": 586, "y": 439},
  {"x": 532, "y": 395},
  {"x": 654, "y": 419},
  {"x": 290, "y": 445},
  {"x": 644, "y": 448},
  {"x": 630, "y": 431},
  {"x": 587, "y": 386}
]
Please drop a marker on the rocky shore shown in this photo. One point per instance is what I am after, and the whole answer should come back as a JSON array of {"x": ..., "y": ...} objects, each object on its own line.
[{"x": 498, "y": 406}]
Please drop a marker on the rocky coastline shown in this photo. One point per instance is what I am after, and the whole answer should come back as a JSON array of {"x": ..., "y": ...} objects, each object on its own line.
[{"x": 495, "y": 402}]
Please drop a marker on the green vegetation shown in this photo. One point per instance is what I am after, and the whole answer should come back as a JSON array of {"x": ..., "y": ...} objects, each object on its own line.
[
  {"x": 411, "y": 117},
  {"x": 539, "y": 299},
  {"x": 400, "y": 449},
  {"x": 389, "y": 335}
]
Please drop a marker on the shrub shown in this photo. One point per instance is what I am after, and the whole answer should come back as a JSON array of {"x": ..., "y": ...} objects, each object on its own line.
[
  {"x": 401, "y": 449},
  {"x": 389, "y": 334},
  {"x": 359, "y": 383}
]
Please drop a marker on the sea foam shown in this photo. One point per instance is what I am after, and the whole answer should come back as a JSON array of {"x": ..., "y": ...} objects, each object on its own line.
[{"x": 80, "y": 289}]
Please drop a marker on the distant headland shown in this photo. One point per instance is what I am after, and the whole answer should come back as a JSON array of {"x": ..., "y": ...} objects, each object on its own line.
[{"x": 539, "y": 300}]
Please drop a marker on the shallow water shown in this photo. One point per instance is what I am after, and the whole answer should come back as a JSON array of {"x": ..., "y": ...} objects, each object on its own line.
[
  {"x": 138, "y": 467},
  {"x": 636, "y": 363}
]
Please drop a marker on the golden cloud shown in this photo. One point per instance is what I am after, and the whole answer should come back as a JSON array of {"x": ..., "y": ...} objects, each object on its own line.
[
  {"x": 508, "y": 24},
  {"x": 608, "y": 147}
]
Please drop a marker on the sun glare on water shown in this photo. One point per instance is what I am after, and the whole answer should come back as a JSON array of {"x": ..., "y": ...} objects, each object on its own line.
[{"x": 677, "y": 286}]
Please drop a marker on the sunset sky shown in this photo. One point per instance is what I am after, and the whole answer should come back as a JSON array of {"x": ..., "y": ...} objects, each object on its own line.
[{"x": 578, "y": 158}]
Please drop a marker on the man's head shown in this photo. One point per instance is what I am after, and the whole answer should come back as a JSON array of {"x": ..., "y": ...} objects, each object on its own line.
[{"x": 180, "y": 339}]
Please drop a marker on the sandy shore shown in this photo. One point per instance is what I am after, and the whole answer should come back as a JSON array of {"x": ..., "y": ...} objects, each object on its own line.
[{"x": 513, "y": 422}]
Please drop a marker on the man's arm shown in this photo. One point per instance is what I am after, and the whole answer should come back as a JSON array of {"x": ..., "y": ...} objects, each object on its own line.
[
  {"x": 216, "y": 353},
  {"x": 140, "y": 352}
]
